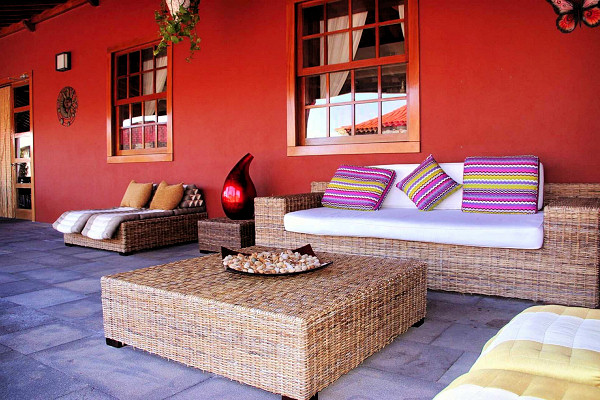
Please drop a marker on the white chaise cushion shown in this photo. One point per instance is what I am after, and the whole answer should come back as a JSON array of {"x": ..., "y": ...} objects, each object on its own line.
[
  {"x": 397, "y": 199},
  {"x": 438, "y": 226}
]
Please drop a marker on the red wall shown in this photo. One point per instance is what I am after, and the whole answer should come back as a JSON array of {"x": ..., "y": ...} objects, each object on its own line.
[{"x": 496, "y": 79}]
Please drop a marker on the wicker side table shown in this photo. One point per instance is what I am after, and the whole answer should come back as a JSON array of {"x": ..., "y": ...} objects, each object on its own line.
[{"x": 216, "y": 232}]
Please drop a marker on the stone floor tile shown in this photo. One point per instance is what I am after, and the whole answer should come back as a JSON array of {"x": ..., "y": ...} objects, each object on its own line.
[
  {"x": 465, "y": 337},
  {"x": 75, "y": 310},
  {"x": 223, "y": 389},
  {"x": 4, "y": 349},
  {"x": 17, "y": 318},
  {"x": 25, "y": 253},
  {"x": 45, "y": 297},
  {"x": 51, "y": 275},
  {"x": 451, "y": 297},
  {"x": 512, "y": 305},
  {"x": 85, "y": 285},
  {"x": 92, "y": 254},
  {"x": 427, "y": 332},
  {"x": 364, "y": 383},
  {"x": 5, "y": 304},
  {"x": 25, "y": 378},
  {"x": 460, "y": 367},
  {"x": 22, "y": 286},
  {"x": 5, "y": 277},
  {"x": 42, "y": 337},
  {"x": 20, "y": 266},
  {"x": 413, "y": 359},
  {"x": 124, "y": 373},
  {"x": 468, "y": 314},
  {"x": 87, "y": 393}
]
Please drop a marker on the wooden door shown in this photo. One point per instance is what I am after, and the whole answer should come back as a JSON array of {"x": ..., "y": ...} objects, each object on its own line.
[{"x": 7, "y": 171}]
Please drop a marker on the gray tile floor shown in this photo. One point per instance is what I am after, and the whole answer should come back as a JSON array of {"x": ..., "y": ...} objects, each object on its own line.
[{"x": 52, "y": 342}]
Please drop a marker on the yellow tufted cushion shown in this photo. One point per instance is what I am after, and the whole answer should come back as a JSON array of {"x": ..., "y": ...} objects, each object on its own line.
[
  {"x": 167, "y": 197},
  {"x": 137, "y": 195}
]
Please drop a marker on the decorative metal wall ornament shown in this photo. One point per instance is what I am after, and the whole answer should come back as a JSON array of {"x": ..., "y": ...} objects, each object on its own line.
[
  {"x": 572, "y": 12},
  {"x": 66, "y": 106}
]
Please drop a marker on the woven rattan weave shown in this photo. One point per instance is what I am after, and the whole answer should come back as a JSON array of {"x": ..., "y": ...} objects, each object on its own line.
[
  {"x": 289, "y": 335},
  {"x": 144, "y": 234},
  {"x": 216, "y": 232},
  {"x": 564, "y": 271}
]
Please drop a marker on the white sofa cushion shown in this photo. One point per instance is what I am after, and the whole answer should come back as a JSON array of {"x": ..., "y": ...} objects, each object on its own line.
[
  {"x": 438, "y": 226},
  {"x": 397, "y": 199}
]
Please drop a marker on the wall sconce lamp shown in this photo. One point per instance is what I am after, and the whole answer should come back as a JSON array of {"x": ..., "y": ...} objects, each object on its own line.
[{"x": 63, "y": 61}]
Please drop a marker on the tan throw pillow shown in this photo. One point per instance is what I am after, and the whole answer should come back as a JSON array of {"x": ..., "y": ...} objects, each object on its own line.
[
  {"x": 167, "y": 197},
  {"x": 137, "y": 195}
]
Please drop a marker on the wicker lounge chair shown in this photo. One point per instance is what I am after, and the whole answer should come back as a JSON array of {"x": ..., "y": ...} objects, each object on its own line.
[{"x": 564, "y": 271}]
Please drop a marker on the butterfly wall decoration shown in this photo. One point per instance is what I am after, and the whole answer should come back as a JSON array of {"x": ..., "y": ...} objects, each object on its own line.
[{"x": 573, "y": 12}]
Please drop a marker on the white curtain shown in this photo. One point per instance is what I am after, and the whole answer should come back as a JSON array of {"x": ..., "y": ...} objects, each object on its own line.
[
  {"x": 161, "y": 80},
  {"x": 401, "y": 14},
  {"x": 337, "y": 50}
]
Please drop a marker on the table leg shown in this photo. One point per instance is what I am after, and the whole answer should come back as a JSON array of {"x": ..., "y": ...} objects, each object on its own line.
[{"x": 315, "y": 397}]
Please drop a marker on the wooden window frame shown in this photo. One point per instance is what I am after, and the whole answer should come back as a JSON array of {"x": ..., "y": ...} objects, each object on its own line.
[
  {"x": 296, "y": 143},
  {"x": 157, "y": 154}
]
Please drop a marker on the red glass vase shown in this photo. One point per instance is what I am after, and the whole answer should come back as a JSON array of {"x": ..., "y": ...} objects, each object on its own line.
[{"x": 239, "y": 192}]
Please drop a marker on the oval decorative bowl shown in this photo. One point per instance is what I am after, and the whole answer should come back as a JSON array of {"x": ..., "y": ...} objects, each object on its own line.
[{"x": 302, "y": 250}]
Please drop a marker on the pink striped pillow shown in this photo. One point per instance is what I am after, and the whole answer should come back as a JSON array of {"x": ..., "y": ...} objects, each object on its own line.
[
  {"x": 358, "y": 188},
  {"x": 428, "y": 185}
]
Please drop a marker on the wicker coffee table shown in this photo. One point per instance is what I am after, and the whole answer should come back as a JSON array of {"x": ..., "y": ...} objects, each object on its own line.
[{"x": 289, "y": 335}]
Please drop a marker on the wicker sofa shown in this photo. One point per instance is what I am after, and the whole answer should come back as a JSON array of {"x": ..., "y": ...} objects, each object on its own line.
[{"x": 564, "y": 271}]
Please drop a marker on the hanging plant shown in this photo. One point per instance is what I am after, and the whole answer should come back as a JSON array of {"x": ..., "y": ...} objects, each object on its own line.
[{"x": 177, "y": 20}]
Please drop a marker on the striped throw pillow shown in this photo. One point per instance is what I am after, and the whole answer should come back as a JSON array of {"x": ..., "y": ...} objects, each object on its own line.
[
  {"x": 501, "y": 185},
  {"x": 358, "y": 188},
  {"x": 428, "y": 185}
]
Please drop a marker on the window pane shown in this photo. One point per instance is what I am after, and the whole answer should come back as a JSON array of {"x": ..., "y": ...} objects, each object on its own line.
[
  {"x": 147, "y": 59},
  {"x": 124, "y": 120},
  {"x": 312, "y": 20},
  {"x": 149, "y": 111},
  {"x": 149, "y": 136},
  {"x": 315, "y": 90},
  {"x": 312, "y": 52},
  {"x": 136, "y": 113},
  {"x": 23, "y": 146},
  {"x": 162, "y": 111},
  {"x": 134, "y": 62},
  {"x": 161, "y": 59},
  {"x": 21, "y": 98},
  {"x": 340, "y": 121},
  {"x": 162, "y": 135},
  {"x": 122, "y": 65},
  {"x": 316, "y": 123},
  {"x": 148, "y": 82},
  {"x": 366, "y": 117},
  {"x": 366, "y": 44},
  {"x": 391, "y": 39},
  {"x": 337, "y": 51},
  {"x": 393, "y": 118},
  {"x": 337, "y": 15},
  {"x": 340, "y": 87},
  {"x": 393, "y": 80},
  {"x": 136, "y": 138},
  {"x": 22, "y": 122},
  {"x": 122, "y": 88},
  {"x": 124, "y": 140},
  {"x": 390, "y": 10},
  {"x": 365, "y": 84},
  {"x": 363, "y": 12},
  {"x": 161, "y": 80},
  {"x": 134, "y": 86}
]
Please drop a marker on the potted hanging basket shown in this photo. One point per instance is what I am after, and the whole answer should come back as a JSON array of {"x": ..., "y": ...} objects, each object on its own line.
[{"x": 176, "y": 21}]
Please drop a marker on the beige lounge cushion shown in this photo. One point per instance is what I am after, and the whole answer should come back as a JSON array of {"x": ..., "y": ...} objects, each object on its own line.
[
  {"x": 167, "y": 197},
  {"x": 137, "y": 194}
]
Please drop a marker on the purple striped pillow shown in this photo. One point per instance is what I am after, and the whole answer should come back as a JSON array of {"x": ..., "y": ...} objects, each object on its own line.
[
  {"x": 428, "y": 185},
  {"x": 501, "y": 185},
  {"x": 358, "y": 188}
]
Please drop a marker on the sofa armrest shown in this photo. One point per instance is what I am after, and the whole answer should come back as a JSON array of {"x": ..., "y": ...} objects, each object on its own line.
[
  {"x": 318, "y": 186},
  {"x": 269, "y": 213}
]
